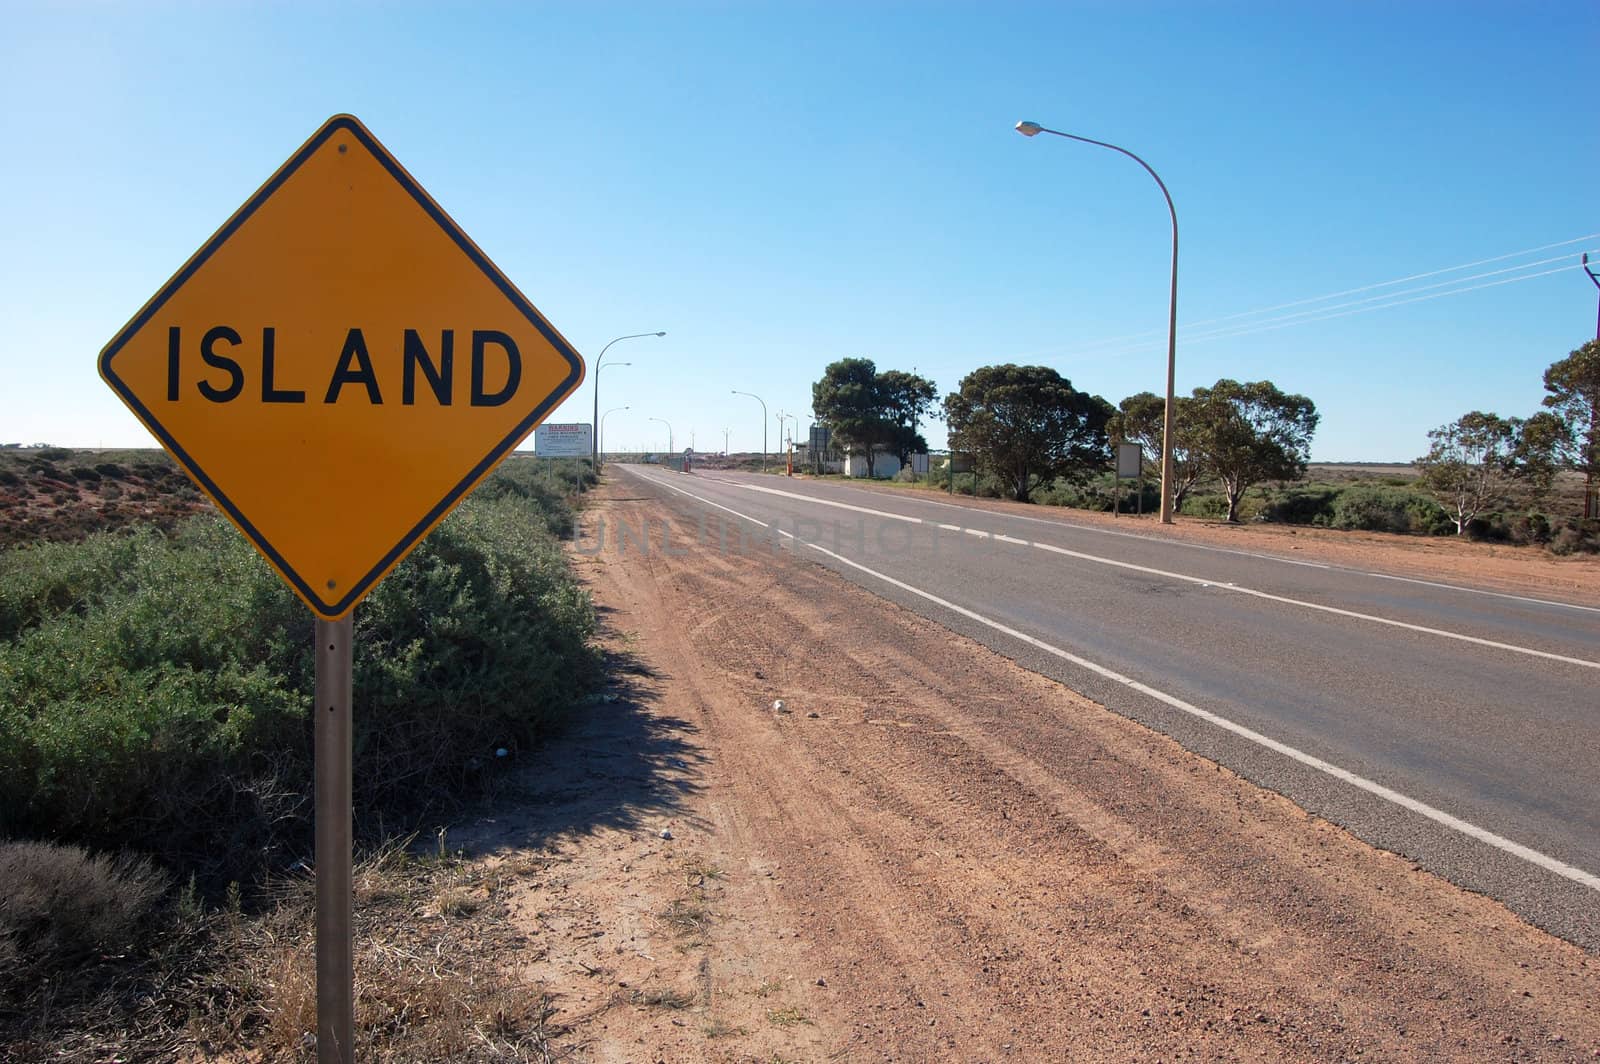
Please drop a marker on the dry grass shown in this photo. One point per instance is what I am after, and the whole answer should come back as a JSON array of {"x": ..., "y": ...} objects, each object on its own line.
[
  {"x": 790, "y": 1016},
  {"x": 718, "y": 1029},
  {"x": 431, "y": 985},
  {"x": 456, "y": 902},
  {"x": 688, "y": 917},
  {"x": 697, "y": 871},
  {"x": 661, "y": 998},
  {"x": 426, "y": 989}
]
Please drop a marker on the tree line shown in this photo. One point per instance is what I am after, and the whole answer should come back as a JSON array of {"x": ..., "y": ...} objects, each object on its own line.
[
  {"x": 1027, "y": 426},
  {"x": 1480, "y": 462}
]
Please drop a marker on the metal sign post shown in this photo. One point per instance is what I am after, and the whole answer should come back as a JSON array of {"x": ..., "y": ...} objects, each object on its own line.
[
  {"x": 335, "y": 905},
  {"x": 340, "y": 355},
  {"x": 1129, "y": 466}
]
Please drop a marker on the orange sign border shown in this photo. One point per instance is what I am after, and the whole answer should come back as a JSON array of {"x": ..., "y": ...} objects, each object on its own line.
[{"x": 342, "y": 123}]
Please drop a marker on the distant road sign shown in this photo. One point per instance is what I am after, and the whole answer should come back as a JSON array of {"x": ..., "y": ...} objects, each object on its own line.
[
  {"x": 1129, "y": 460},
  {"x": 961, "y": 463},
  {"x": 563, "y": 441},
  {"x": 338, "y": 366}
]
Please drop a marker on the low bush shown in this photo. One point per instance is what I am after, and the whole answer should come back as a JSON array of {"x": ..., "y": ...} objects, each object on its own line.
[
  {"x": 545, "y": 483},
  {"x": 1064, "y": 493},
  {"x": 1576, "y": 537},
  {"x": 154, "y": 690},
  {"x": 1308, "y": 504},
  {"x": 60, "y": 905},
  {"x": 992, "y": 487},
  {"x": 1212, "y": 506},
  {"x": 1383, "y": 508}
]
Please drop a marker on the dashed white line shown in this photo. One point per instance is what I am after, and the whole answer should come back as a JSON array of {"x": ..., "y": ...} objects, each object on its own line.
[
  {"x": 1186, "y": 578},
  {"x": 1438, "y": 816},
  {"x": 1055, "y": 523}
]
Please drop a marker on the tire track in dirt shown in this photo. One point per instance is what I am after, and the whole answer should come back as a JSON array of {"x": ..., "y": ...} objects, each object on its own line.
[{"x": 980, "y": 865}]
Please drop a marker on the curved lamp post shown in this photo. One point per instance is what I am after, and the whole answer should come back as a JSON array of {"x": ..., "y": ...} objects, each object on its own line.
[
  {"x": 667, "y": 423},
  {"x": 1033, "y": 129},
  {"x": 763, "y": 403},
  {"x": 608, "y": 413},
  {"x": 594, "y": 444}
]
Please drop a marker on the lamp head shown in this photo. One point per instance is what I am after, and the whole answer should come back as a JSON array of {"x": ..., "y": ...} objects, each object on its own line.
[
  {"x": 1029, "y": 129},
  {"x": 661, "y": 334}
]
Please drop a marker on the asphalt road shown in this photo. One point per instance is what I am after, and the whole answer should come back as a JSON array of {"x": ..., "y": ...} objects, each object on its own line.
[{"x": 1454, "y": 727}]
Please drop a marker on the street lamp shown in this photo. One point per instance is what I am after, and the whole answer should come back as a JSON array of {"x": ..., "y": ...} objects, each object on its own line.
[
  {"x": 608, "y": 413},
  {"x": 594, "y": 444},
  {"x": 763, "y": 403},
  {"x": 783, "y": 419},
  {"x": 1033, "y": 129},
  {"x": 665, "y": 422}
]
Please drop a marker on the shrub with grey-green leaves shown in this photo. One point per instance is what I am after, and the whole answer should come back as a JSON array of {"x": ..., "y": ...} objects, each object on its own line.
[
  {"x": 155, "y": 690},
  {"x": 1380, "y": 508}
]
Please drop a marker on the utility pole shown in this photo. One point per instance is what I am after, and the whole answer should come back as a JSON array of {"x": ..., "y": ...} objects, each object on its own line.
[
  {"x": 725, "y": 434},
  {"x": 1591, "y": 498},
  {"x": 1596, "y": 280}
]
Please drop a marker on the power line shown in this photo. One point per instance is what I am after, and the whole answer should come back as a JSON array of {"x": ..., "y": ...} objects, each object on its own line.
[
  {"x": 1258, "y": 328},
  {"x": 1114, "y": 341},
  {"x": 1228, "y": 330}
]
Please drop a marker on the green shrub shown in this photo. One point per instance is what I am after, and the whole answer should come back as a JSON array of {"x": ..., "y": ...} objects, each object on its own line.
[
  {"x": 545, "y": 483},
  {"x": 1061, "y": 492},
  {"x": 1383, "y": 508},
  {"x": 992, "y": 487},
  {"x": 43, "y": 579},
  {"x": 1212, "y": 506},
  {"x": 1309, "y": 504},
  {"x": 154, "y": 691}
]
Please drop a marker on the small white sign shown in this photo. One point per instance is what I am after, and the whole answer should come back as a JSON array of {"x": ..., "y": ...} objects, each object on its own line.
[
  {"x": 563, "y": 441},
  {"x": 1129, "y": 457}
]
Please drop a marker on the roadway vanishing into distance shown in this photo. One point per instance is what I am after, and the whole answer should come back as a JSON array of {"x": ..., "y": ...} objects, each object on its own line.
[{"x": 1458, "y": 728}]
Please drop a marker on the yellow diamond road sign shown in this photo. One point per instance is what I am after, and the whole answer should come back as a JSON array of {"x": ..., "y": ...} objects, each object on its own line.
[{"x": 338, "y": 366}]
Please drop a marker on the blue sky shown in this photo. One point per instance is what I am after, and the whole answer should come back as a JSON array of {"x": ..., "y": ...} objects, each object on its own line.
[{"x": 778, "y": 185}]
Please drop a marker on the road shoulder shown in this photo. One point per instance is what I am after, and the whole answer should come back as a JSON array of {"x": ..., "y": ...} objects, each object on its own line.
[{"x": 930, "y": 853}]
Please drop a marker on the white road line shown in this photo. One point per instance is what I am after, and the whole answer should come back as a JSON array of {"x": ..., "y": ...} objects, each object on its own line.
[
  {"x": 1438, "y": 816},
  {"x": 1201, "y": 581},
  {"x": 1479, "y": 591},
  {"x": 1553, "y": 603}
]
